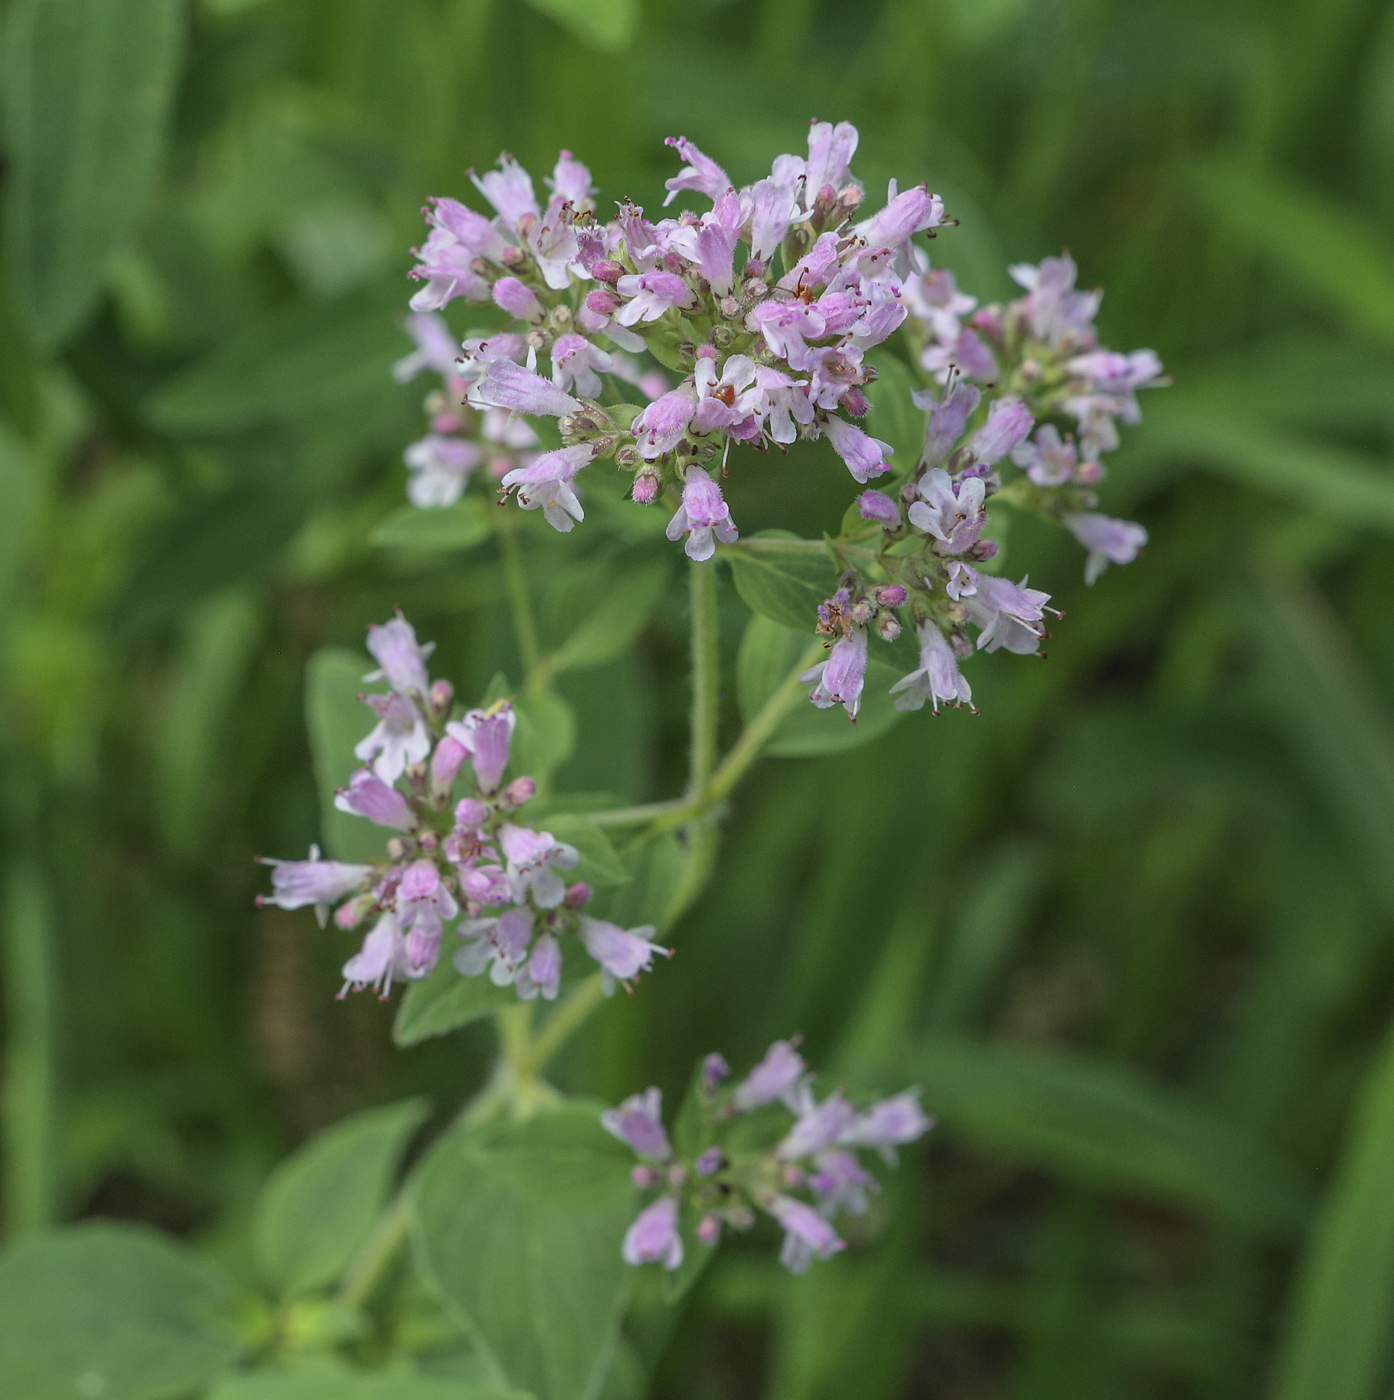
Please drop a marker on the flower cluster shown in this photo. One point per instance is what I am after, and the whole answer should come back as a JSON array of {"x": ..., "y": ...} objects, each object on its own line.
[
  {"x": 451, "y": 855},
  {"x": 739, "y": 1158},
  {"x": 767, "y": 304}
]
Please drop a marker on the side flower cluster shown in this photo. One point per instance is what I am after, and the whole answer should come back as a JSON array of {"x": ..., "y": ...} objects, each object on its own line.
[
  {"x": 451, "y": 857},
  {"x": 738, "y": 1153},
  {"x": 766, "y": 306}
]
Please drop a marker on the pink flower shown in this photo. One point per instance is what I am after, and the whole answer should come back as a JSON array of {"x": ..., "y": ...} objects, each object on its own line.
[
  {"x": 889, "y": 1124},
  {"x": 649, "y": 295},
  {"x": 703, "y": 516},
  {"x": 807, "y": 1234},
  {"x": 509, "y": 189},
  {"x": 905, "y": 215},
  {"x": 440, "y": 469},
  {"x": 486, "y": 735},
  {"x": 654, "y": 1238},
  {"x": 864, "y": 455},
  {"x": 517, "y": 299},
  {"x": 533, "y": 860},
  {"x": 510, "y": 386},
  {"x": 938, "y": 676},
  {"x": 297, "y": 883},
  {"x": 659, "y": 427},
  {"x": 701, "y": 173},
  {"x": 401, "y": 659},
  {"x": 382, "y": 957},
  {"x": 1108, "y": 541},
  {"x": 499, "y": 943},
  {"x": 578, "y": 364},
  {"x": 368, "y": 796},
  {"x": 839, "y": 679},
  {"x": 400, "y": 736},
  {"x": 638, "y": 1122},
  {"x": 622, "y": 953},
  {"x": 1010, "y": 615},
  {"x": 777, "y": 1076},
  {"x": 546, "y": 484},
  {"x": 953, "y": 515}
]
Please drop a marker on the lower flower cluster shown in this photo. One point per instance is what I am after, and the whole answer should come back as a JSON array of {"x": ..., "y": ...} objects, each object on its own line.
[
  {"x": 451, "y": 855},
  {"x": 735, "y": 1152}
]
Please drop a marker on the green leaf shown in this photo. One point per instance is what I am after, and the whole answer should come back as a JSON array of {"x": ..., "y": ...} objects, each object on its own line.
[
  {"x": 462, "y": 526},
  {"x": 612, "y": 627},
  {"x": 352, "y": 1385},
  {"x": 444, "y": 1001},
  {"x": 656, "y": 872},
  {"x": 599, "y": 863},
  {"x": 115, "y": 1311},
  {"x": 894, "y": 417},
  {"x": 1341, "y": 1318},
  {"x": 322, "y": 1202},
  {"x": 782, "y": 577},
  {"x": 519, "y": 1231},
  {"x": 1098, "y": 1124},
  {"x": 337, "y": 719},
  {"x": 87, "y": 87},
  {"x": 19, "y": 508},
  {"x": 768, "y": 653},
  {"x": 609, "y": 25},
  {"x": 297, "y": 365}
]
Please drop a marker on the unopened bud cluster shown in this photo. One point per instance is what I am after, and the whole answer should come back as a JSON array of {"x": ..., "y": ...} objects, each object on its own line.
[
  {"x": 452, "y": 856},
  {"x": 735, "y": 1153}
]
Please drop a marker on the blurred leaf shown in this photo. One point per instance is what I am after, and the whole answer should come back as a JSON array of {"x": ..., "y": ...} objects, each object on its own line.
[
  {"x": 546, "y": 734},
  {"x": 211, "y": 543},
  {"x": 611, "y": 629},
  {"x": 1095, "y": 1123},
  {"x": 19, "y": 508},
  {"x": 299, "y": 364},
  {"x": 768, "y": 652},
  {"x": 115, "y": 1311},
  {"x": 1332, "y": 481},
  {"x": 1316, "y": 687},
  {"x": 321, "y": 1203},
  {"x": 599, "y": 863},
  {"x": 604, "y": 24},
  {"x": 1323, "y": 244},
  {"x": 461, "y": 526},
  {"x": 87, "y": 91},
  {"x": 656, "y": 870},
  {"x": 353, "y": 1385},
  {"x": 993, "y": 918},
  {"x": 337, "y": 720},
  {"x": 443, "y": 1001},
  {"x": 782, "y": 583},
  {"x": 519, "y": 1230},
  {"x": 27, "y": 957},
  {"x": 1341, "y": 1314},
  {"x": 203, "y": 687}
]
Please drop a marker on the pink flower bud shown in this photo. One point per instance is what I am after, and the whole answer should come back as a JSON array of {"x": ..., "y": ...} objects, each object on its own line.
[
  {"x": 578, "y": 895},
  {"x": 646, "y": 485},
  {"x": 855, "y": 403},
  {"x": 603, "y": 303},
  {"x": 890, "y": 595},
  {"x": 471, "y": 812},
  {"x": 643, "y": 1177},
  {"x": 709, "y": 1229},
  {"x": 519, "y": 791},
  {"x": 607, "y": 270},
  {"x": 442, "y": 693}
]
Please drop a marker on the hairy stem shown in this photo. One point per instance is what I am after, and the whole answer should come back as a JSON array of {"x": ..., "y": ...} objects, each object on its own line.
[
  {"x": 524, "y": 623},
  {"x": 706, "y": 678}
]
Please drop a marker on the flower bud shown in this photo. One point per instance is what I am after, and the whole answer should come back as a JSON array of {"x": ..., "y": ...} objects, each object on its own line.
[
  {"x": 877, "y": 506},
  {"x": 723, "y": 337},
  {"x": 862, "y": 611},
  {"x": 677, "y": 1174},
  {"x": 628, "y": 458},
  {"x": 643, "y": 1177},
  {"x": 709, "y": 1229},
  {"x": 714, "y": 1070},
  {"x": 887, "y": 626},
  {"x": 607, "y": 270},
  {"x": 889, "y": 595},
  {"x": 730, "y": 309},
  {"x": 1090, "y": 473},
  {"x": 519, "y": 791},
  {"x": 855, "y": 403},
  {"x": 518, "y": 300},
  {"x": 430, "y": 841},
  {"x": 603, "y": 303},
  {"x": 646, "y": 485},
  {"x": 513, "y": 256},
  {"x": 398, "y": 849},
  {"x": 709, "y": 1162},
  {"x": 442, "y": 693},
  {"x": 578, "y": 895},
  {"x": 561, "y": 317},
  {"x": 983, "y": 550}
]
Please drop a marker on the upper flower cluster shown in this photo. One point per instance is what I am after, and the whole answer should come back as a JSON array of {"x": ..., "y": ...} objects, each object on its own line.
[
  {"x": 733, "y": 1162},
  {"x": 451, "y": 857},
  {"x": 766, "y": 306}
]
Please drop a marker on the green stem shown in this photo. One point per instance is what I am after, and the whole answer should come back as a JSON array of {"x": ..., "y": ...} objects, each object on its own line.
[
  {"x": 706, "y": 678},
  {"x": 371, "y": 1263},
  {"x": 524, "y": 624},
  {"x": 564, "y": 1022}
]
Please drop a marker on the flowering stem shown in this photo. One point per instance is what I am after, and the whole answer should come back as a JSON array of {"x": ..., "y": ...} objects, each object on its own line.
[
  {"x": 524, "y": 624},
  {"x": 706, "y": 678}
]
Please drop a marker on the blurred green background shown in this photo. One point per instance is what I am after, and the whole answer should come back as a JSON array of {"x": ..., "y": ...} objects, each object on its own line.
[{"x": 1129, "y": 926}]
